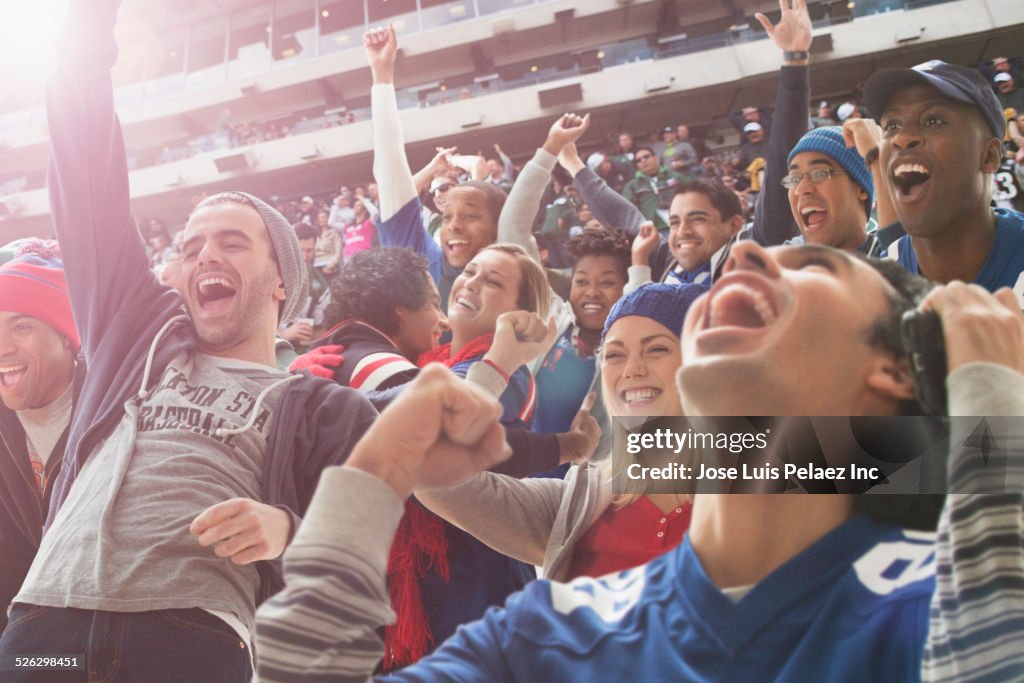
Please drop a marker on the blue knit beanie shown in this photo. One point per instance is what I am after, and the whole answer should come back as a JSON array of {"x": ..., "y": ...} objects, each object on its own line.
[
  {"x": 829, "y": 141},
  {"x": 665, "y": 304}
]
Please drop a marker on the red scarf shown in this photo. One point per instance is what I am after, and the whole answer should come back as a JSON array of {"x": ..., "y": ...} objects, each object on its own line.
[
  {"x": 443, "y": 354},
  {"x": 419, "y": 546}
]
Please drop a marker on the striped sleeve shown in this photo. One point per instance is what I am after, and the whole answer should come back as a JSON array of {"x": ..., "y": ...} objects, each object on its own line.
[
  {"x": 381, "y": 371},
  {"x": 977, "y": 613},
  {"x": 323, "y": 625}
]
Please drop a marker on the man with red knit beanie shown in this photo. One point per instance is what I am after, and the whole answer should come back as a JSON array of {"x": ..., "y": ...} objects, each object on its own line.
[{"x": 38, "y": 349}]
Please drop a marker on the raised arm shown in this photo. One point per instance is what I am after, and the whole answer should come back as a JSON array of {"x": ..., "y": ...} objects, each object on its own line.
[
  {"x": 773, "y": 217},
  {"x": 390, "y": 164},
  {"x": 435, "y": 167},
  {"x": 866, "y": 135},
  {"x": 644, "y": 246},
  {"x": 608, "y": 206},
  {"x": 516, "y": 221},
  {"x": 508, "y": 169},
  {"x": 400, "y": 223},
  {"x": 1015, "y": 133},
  {"x": 104, "y": 256}
]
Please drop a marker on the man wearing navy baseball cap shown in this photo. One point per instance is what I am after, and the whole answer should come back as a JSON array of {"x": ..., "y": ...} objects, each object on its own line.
[{"x": 942, "y": 131}]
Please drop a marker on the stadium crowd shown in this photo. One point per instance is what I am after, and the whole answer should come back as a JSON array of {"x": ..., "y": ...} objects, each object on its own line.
[{"x": 329, "y": 437}]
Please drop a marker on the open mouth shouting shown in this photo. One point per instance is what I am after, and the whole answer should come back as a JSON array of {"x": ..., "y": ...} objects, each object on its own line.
[
  {"x": 458, "y": 247},
  {"x": 813, "y": 217},
  {"x": 11, "y": 376},
  {"x": 738, "y": 305},
  {"x": 214, "y": 294},
  {"x": 740, "y": 308},
  {"x": 911, "y": 181}
]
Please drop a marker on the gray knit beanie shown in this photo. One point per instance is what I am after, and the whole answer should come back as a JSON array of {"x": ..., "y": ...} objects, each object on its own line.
[{"x": 289, "y": 258}]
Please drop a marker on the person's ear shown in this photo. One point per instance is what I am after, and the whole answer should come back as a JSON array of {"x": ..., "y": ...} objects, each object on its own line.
[
  {"x": 279, "y": 291},
  {"x": 735, "y": 224},
  {"x": 891, "y": 378},
  {"x": 992, "y": 155}
]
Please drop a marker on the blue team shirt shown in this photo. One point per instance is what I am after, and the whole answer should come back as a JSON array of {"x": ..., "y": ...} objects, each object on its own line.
[
  {"x": 406, "y": 229},
  {"x": 1005, "y": 263},
  {"x": 563, "y": 380},
  {"x": 852, "y": 607}
]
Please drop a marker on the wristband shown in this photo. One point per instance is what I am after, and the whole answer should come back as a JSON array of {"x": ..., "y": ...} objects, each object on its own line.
[
  {"x": 872, "y": 156},
  {"x": 796, "y": 55},
  {"x": 497, "y": 369}
]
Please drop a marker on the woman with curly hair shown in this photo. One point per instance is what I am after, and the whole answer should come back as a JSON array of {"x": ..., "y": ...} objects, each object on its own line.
[
  {"x": 389, "y": 313},
  {"x": 601, "y": 259}
]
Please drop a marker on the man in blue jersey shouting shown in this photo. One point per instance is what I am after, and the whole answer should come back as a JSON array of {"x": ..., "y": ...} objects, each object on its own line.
[{"x": 942, "y": 132}]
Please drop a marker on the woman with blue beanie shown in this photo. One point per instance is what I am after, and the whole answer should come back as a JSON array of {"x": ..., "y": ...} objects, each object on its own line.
[{"x": 576, "y": 526}]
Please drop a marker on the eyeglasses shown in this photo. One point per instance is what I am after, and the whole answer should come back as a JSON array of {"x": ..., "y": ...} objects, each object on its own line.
[
  {"x": 645, "y": 157},
  {"x": 818, "y": 175},
  {"x": 443, "y": 187}
]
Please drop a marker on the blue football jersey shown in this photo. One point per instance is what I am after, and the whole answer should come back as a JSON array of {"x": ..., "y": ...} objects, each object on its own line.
[
  {"x": 852, "y": 607},
  {"x": 1004, "y": 266}
]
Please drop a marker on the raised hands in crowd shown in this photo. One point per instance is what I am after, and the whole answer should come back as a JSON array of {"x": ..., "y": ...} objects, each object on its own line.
[
  {"x": 381, "y": 48},
  {"x": 792, "y": 33},
  {"x": 479, "y": 337},
  {"x": 647, "y": 240},
  {"x": 564, "y": 131}
]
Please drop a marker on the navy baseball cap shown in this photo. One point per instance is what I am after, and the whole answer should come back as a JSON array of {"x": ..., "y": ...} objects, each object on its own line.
[{"x": 956, "y": 82}]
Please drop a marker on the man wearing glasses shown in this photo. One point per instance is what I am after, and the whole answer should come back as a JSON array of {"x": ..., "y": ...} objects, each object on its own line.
[
  {"x": 831, "y": 192},
  {"x": 818, "y": 189},
  {"x": 439, "y": 187},
  {"x": 652, "y": 188}
]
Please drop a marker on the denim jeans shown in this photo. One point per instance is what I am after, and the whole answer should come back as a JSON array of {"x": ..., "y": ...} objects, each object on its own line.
[{"x": 166, "y": 646}]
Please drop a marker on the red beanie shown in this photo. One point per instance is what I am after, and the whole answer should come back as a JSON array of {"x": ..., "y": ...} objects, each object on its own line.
[{"x": 33, "y": 284}]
